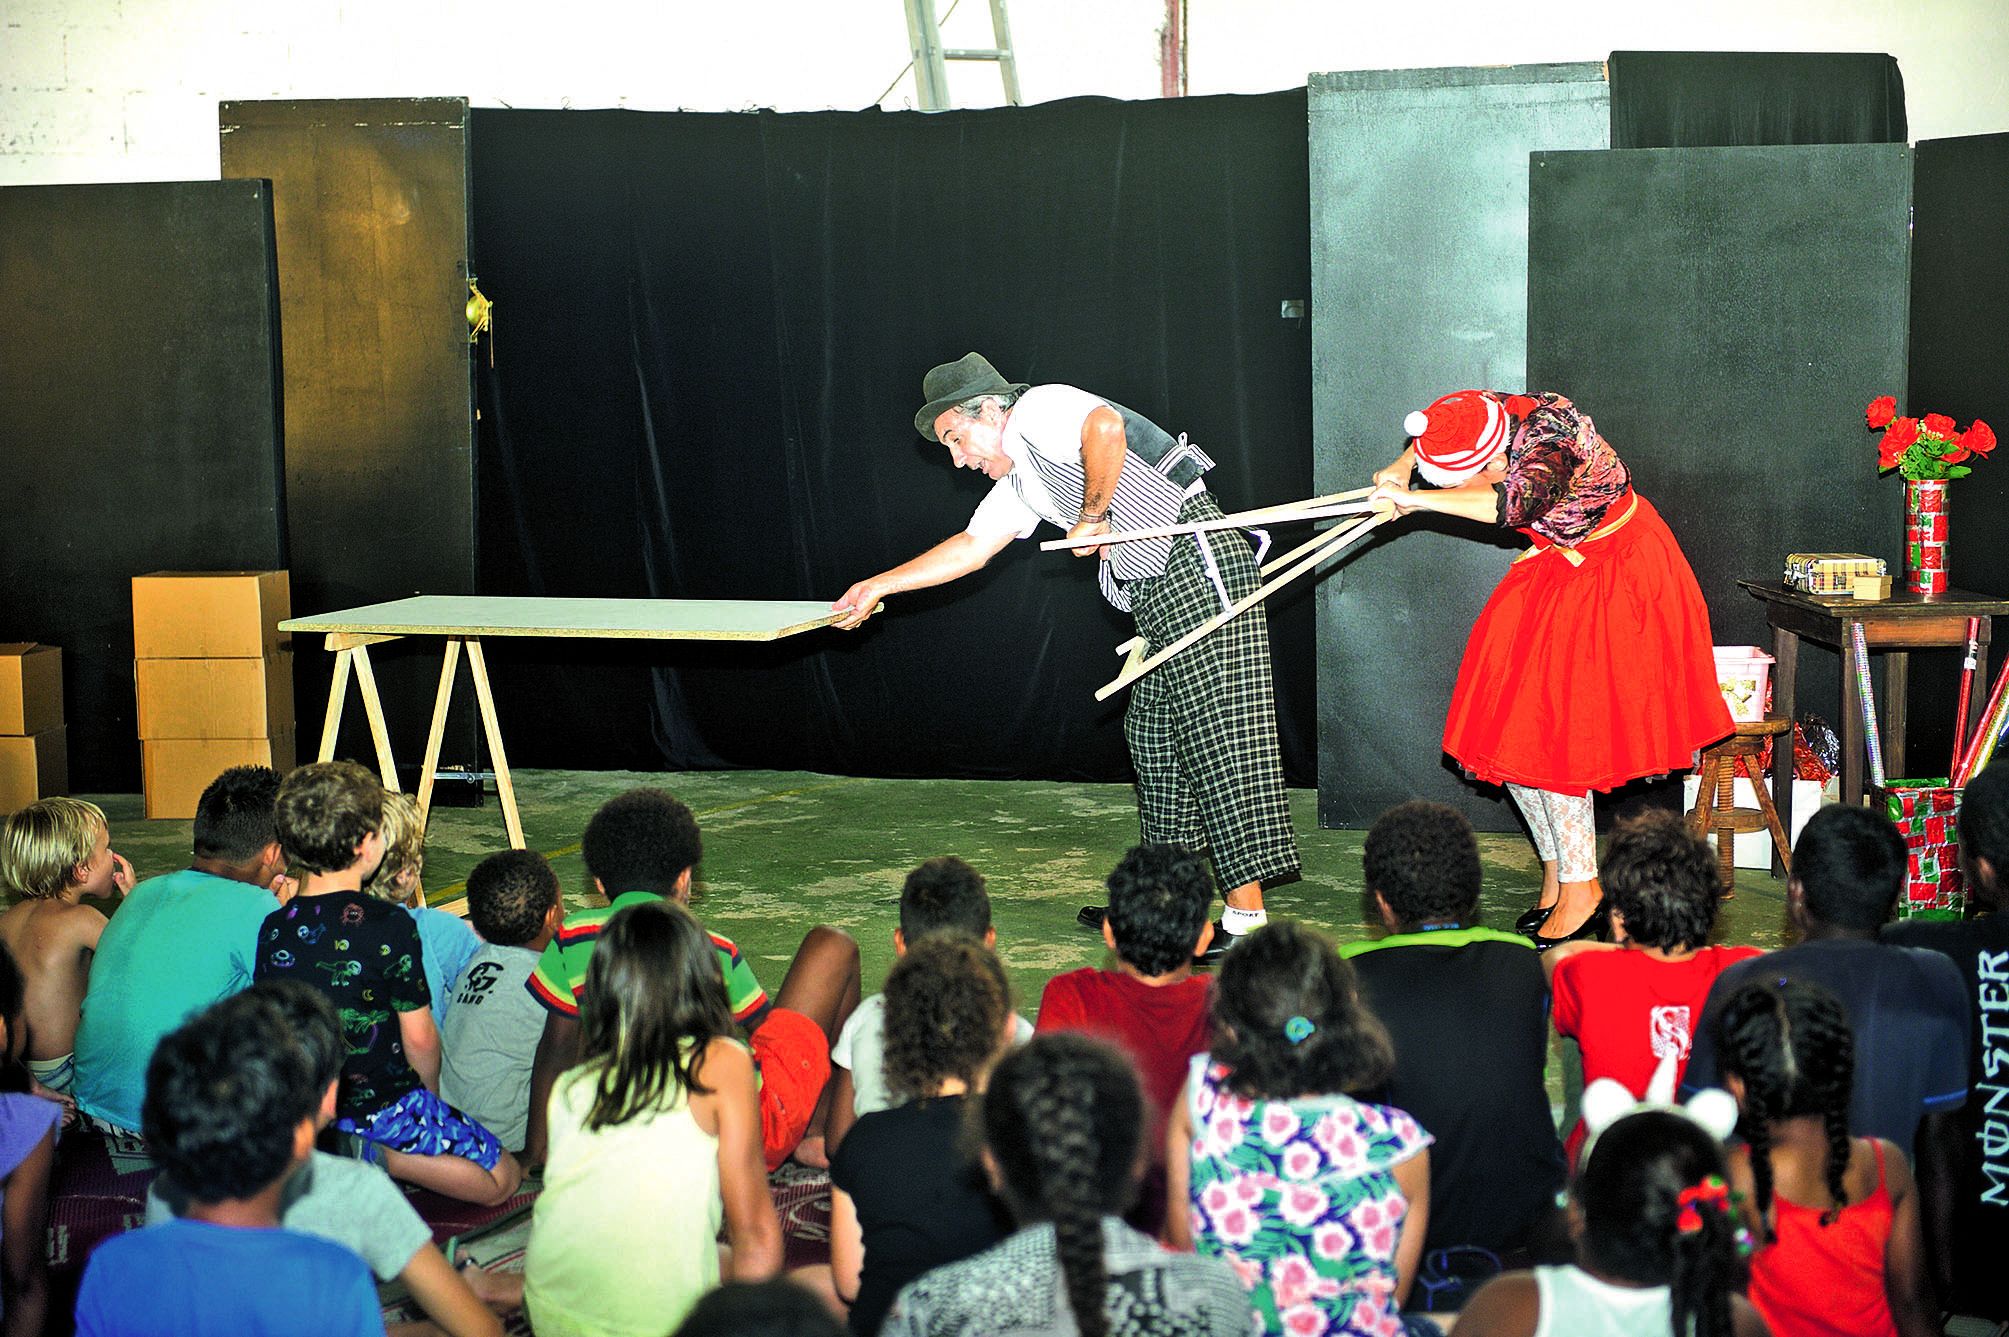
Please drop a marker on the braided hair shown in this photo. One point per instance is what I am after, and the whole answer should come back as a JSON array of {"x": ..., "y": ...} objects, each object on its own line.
[
  {"x": 1790, "y": 1045},
  {"x": 1656, "y": 1212},
  {"x": 1061, "y": 1118}
]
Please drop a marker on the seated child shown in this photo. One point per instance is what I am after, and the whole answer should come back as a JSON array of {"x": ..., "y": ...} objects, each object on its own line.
[
  {"x": 53, "y": 854},
  {"x": 906, "y": 1195},
  {"x": 229, "y": 1115},
  {"x": 655, "y": 1139},
  {"x": 1467, "y": 1009},
  {"x": 1656, "y": 1245},
  {"x": 1060, "y": 1119},
  {"x": 1631, "y": 1002},
  {"x": 777, "y": 1308},
  {"x": 1841, "y": 1252},
  {"x": 447, "y": 938},
  {"x": 28, "y": 1126},
  {"x": 942, "y": 895},
  {"x": 1152, "y": 1006},
  {"x": 492, "y": 1023},
  {"x": 180, "y": 941},
  {"x": 364, "y": 954},
  {"x": 1318, "y": 1200},
  {"x": 643, "y": 846},
  {"x": 353, "y": 1204}
]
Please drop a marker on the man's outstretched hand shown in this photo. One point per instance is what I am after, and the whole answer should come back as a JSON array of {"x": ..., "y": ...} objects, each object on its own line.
[{"x": 858, "y": 603}]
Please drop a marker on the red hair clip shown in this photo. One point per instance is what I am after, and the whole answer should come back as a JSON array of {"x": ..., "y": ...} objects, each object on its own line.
[{"x": 1711, "y": 1190}]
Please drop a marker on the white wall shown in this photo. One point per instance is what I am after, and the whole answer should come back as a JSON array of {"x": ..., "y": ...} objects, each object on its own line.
[{"x": 126, "y": 90}]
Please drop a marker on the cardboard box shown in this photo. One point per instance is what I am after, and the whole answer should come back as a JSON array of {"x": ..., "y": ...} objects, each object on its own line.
[
  {"x": 177, "y": 770},
  {"x": 209, "y": 614},
  {"x": 1831, "y": 572},
  {"x": 33, "y": 766},
  {"x": 31, "y": 687},
  {"x": 214, "y": 698}
]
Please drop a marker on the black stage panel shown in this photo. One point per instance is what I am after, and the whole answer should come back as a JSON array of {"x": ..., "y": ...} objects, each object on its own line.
[
  {"x": 1724, "y": 314},
  {"x": 1419, "y": 264},
  {"x": 1960, "y": 367},
  {"x": 712, "y": 333},
  {"x": 1707, "y": 99},
  {"x": 370, "y": 202},
  {"x": 139, "y": 422}
]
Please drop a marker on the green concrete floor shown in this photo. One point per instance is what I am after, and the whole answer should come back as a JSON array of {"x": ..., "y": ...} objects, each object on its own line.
[{"x": 785, "y": 850}]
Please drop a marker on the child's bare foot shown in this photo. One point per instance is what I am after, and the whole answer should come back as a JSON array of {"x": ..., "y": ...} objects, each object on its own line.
[{"x": 810, "y": 1152}]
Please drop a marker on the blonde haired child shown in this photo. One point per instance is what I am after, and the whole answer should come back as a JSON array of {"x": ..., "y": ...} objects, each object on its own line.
[
  {"x": 447, "y": 939},
  {"x": 53, "y": 854}
]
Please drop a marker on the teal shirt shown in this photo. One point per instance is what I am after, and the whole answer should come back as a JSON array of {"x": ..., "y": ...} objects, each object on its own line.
[{"x": 177, "y": 944}]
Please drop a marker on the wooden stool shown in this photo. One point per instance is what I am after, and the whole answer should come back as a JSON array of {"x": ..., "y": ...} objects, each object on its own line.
[{"x": 1715, "y": 796}]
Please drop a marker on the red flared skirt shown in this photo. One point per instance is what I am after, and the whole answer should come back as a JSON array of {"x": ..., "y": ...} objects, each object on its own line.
[{"x": 1584, "y": 676}]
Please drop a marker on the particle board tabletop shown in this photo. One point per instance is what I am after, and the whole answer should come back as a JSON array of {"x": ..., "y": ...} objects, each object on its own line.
[{"x": 617, "y": 619}]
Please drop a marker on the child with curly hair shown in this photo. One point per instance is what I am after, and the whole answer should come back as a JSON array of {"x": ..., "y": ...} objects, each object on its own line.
[
  {"x": 1319, "y": 1200},
  {"x": 1631, "y": 1002},
  {"x": 1841, "y": 1249},
  {"x": 906, "y": 1195}
]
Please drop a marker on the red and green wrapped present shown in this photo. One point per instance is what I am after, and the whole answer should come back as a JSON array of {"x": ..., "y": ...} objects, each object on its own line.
[{"x": 1926, "y": 813}]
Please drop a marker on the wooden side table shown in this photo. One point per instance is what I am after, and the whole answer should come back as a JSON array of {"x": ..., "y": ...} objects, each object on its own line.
[{"x": 1897, "y": 625}]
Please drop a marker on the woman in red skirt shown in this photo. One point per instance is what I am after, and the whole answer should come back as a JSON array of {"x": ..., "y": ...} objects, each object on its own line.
[{"x": 1591, "y": 664}]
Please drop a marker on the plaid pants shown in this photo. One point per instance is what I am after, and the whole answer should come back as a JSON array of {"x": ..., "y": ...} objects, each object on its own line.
[{"x": 1202, "y": 727}]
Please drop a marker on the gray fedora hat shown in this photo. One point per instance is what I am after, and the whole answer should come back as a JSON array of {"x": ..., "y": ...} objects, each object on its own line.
[{"x": 953, "y": 382}]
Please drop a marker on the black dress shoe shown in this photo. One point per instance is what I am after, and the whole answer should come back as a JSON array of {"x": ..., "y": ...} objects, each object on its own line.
[
  {"x": 1091, "y": 916},
  {"x": 1531, "y": 918},
  {"x": 1217, "y": 946},
  {"x": 1592, "y": 929}
]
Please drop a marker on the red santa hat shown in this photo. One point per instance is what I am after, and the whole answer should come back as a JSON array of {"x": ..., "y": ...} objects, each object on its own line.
[{"x": 1457, "y": 435}]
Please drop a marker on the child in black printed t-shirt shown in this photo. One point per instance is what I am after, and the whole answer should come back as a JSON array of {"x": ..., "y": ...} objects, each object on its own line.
[{"x": 364, "y": 954}]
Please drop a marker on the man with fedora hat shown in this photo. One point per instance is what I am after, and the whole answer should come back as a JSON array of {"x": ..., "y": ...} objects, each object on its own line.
[{"x": 1201, "y": 728}]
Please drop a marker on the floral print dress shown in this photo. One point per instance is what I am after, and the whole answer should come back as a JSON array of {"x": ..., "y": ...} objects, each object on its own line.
[{"x": 1300, "y": 1197}]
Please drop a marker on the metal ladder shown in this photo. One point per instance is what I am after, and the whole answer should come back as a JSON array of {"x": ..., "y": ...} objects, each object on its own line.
[{"x": 931, "y": 71}]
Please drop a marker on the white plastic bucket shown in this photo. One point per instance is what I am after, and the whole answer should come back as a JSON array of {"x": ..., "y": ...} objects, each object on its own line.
[{"x": 1743, "y": 674}]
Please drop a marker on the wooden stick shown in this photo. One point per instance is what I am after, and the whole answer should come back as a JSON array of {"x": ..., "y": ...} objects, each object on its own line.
[
  {"x": 437, "y": 733},
  {"x": 1284, "y": 559},
  {"x": 338, "y": 691},
  {"x": 1323, "y": 547},
  {"x": 505, "y": 789},
  {"x": 1315, "y": 508},
  {"x": 373, "y": 709},
  {"x": 1326, "y": 512}
]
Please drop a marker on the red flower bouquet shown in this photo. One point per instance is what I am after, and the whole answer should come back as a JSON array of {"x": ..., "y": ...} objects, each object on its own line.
[{"x": 1928, "y": 447}]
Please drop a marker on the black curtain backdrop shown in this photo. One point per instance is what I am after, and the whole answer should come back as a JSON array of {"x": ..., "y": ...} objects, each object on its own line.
[
  {"x": 1712, "y": 99},
  {"x": 711, "y": 331},
  {"x": 139, "y": 423}
]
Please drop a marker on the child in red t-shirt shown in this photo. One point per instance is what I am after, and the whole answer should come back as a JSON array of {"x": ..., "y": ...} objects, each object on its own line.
[
  {"x": 1152, "y": 1005},
  {"x": 1631, "y": 1002},
  {"x": 1841, "y": 1251}
]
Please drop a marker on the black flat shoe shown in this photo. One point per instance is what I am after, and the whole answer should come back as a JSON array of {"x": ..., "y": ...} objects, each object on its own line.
[
  {"x": 1091, "y": 916},
  {"x": 1592, "y": 929},
  {"x": 1532, "y": 918}
]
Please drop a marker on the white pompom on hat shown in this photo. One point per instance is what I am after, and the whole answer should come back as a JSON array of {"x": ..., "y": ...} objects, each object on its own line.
[{"x": 1457, "y": 435}]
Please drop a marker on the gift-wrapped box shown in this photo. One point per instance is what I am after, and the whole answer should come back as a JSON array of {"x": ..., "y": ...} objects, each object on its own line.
[
  {"x": 1926, "y": 813},
  {"x": 1831, "y": 572}
]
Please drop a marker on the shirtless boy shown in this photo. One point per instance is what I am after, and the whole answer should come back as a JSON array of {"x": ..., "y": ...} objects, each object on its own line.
[{"x": 53, "y": 854}]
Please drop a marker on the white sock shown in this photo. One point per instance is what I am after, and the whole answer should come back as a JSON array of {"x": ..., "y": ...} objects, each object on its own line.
[{"x": 1236, "y": 922}]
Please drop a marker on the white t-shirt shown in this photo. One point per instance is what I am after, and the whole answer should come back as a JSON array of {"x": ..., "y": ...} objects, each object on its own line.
[
  {"x": 1047, "y": 420},
  {"x": 861, "y": 1047}
]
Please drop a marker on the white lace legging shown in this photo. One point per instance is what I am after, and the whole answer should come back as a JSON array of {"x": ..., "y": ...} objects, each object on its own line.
[{"x": 1564, "y": 829}]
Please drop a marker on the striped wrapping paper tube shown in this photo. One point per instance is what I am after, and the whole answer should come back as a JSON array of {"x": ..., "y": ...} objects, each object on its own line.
[
  {"x": 1981, "y": 745},
  {"x": 1859, "y": 647}
]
